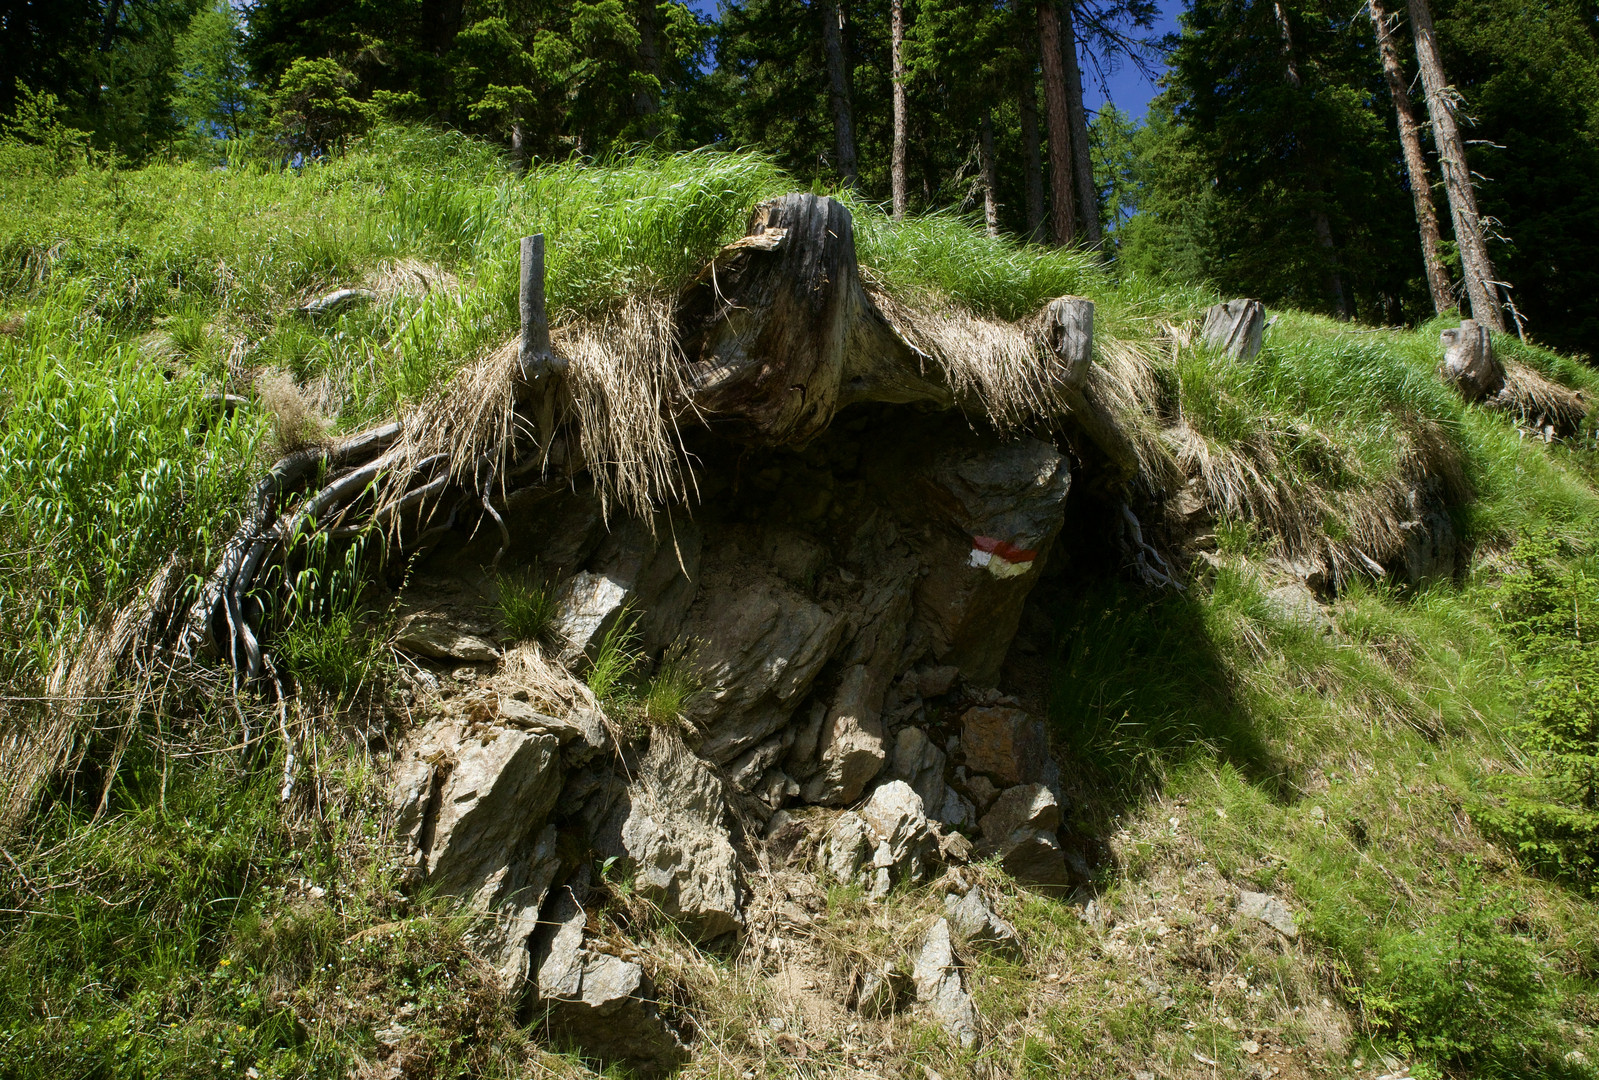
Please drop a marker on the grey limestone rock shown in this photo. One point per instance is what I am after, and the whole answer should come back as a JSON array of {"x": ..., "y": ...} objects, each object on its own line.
[
  {"x": 603, "y": 1003},
  {"x": 845, "y": 846},
  {"x": 919, "y": 763},
  {"x": 939, "y": 989},
  {"x": 676, "y": 839},
  {"x": 438, "y": 637}
]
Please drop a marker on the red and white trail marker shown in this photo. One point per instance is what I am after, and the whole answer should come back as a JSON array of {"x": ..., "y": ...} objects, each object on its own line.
[{"x": 1002, "y": 559}]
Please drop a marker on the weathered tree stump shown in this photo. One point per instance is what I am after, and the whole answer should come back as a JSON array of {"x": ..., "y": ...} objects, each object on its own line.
[
  {"x": 1069, "y": 326},
  {"x": 1469, "y": 363},
  {"x": 779, "y": 333},
  {"x": 1235, "y": 328}
]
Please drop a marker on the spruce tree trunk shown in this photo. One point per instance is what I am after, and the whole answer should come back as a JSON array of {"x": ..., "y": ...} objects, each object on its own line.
[
  {"x": 1082, "y": 161},
  {"x": 1318, "y": 217},
  {"x": 897, "y": 167},
  {"x": 1474, "y": 262},
  {"x": 1028, "y": 106},
  {"x": 647, "y": 102},
  {"x": 1443, "y": 293},
  {"x": 838, "y": 79},
  {"x": 985, "y": 157},
  {"x": 1057, "y": 123}
]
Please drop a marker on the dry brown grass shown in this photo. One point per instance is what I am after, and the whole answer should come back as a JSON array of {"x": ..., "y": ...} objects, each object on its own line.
[
  {"x": 297, "y": 418},
  {"x": 1550, "y": 410}
]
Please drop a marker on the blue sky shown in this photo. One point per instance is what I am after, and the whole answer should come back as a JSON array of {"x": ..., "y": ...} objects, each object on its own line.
[{"x": 1125, "y": 86}]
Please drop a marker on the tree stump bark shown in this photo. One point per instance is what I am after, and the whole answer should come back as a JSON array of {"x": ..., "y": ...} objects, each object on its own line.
[
  {"x": 1069, "y": 325},
  {"x": 1469, "y": 362},
  {"x": 779, "y": 334},
  {"x": 1235, "y": 328}
]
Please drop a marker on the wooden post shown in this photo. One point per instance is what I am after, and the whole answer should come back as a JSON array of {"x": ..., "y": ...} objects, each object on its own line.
[
  {"x": 1235, "y": 328},
  {"x": 535, "y": 355}
]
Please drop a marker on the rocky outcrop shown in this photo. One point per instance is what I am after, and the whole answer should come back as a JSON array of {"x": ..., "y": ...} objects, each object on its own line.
[
  {"x": 1020, "y": 829},
  {"x": 676, "y": 840},
  {"x": 973, "y": 918},
  {"x": 902, "y": 841},
  {"x": 1005, "y": 744},
  {"x": 601, "y": 1002}
]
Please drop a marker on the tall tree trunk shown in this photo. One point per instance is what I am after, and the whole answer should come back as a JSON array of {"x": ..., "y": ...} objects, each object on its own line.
[
  {"x": 1474, "y": 262},
  {"x": 838, "y": 88},
  {"x": 1443, "y": 293},
  {"x": 1028, "y": 104},
  {"x": 1082, "y": 160},
  {"x": 897, "y": 167},
  {"x": 646, "y": 102},
  {"x": 985, "y": 159},
  {"x": 1318, "y": 216},
  {"x": 1058, "y": 124}
]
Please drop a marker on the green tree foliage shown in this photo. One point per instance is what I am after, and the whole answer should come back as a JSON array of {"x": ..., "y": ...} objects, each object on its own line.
[
  {"x": 1276, "y": 164},
  {"x": 315, "y": 106},
  {"x": 214, "y": 96}
]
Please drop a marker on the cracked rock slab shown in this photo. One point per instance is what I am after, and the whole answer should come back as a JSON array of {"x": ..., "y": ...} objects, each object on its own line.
[{"x": 939, "y": 990}]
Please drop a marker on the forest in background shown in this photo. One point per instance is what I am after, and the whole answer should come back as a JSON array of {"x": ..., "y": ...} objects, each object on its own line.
[{"x": 1269, "y": 165}]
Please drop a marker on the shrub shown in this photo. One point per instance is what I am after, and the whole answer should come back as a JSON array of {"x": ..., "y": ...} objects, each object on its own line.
[{"x": 1461, "y": 989}]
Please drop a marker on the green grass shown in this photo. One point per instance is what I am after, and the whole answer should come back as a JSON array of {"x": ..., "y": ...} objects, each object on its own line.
[{"x": 526, "y": 606}]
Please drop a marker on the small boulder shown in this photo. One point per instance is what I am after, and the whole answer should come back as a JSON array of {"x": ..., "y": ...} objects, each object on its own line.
[
  {"x": 1267, "y": 909},
  {"x": 429, "y": 634},
  {"x": 1005, "y": 743},
  {"x": 975, "y": 920},
  {"x": 939, "y": 989},
  {"x": 1020, "y": 828},
  {"x": 603, "y": 1003},
  {"x": 845, "y": 846},
  {"x": 904, "y": 841},
  {"x": 588, "y": 606}
]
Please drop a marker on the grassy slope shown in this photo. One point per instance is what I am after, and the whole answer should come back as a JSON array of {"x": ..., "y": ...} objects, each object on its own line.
[{"x": 174, "y": 934}]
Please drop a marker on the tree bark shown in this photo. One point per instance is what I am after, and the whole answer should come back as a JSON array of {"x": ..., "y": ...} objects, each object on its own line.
[
  {"x": 647, "y": 102},
  {"x": 838, "y": 80},
  {"x": 897, "y": 167},
  {"x": 1443, "y": 293},
  {"x": 1474, "y": 261},
  {"x": 1058, "y": 124},
  {"x": 1028, "y": 103},
  {"x": 985, "y": 156},
  {"x": 1082, "y": 160}
]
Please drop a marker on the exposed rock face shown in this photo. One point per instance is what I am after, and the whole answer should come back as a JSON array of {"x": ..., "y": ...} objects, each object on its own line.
[
  {"x": 921, "y": 765},
  {"x": 1005, "y": 744},
  {"x": 589, "y": 605},
  {"x": 676, "y": 840},
  {"x": 939, "y": 989},
  {"x": 995, "y": 511},
  {"x": 601, "y": 1002},
  {"x": 1021, "y": 829},
  {"x": 474, "y": 804},
  {"x": 846, "y": 846}
]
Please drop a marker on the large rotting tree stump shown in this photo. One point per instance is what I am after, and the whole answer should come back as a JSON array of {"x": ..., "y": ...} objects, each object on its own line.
[
  {"x": 779, "y": 333},
  {"x": 1469, "y": 363}
]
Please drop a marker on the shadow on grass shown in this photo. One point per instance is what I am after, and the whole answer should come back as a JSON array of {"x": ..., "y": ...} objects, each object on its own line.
[{"x": 1136, "y": 686}]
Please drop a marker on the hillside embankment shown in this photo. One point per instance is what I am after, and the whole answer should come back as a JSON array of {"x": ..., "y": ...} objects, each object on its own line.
[{"x": 737, "y": 634}]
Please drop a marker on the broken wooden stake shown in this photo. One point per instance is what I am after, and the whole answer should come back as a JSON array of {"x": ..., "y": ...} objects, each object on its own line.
[{"x": 1069, "y": 323}]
